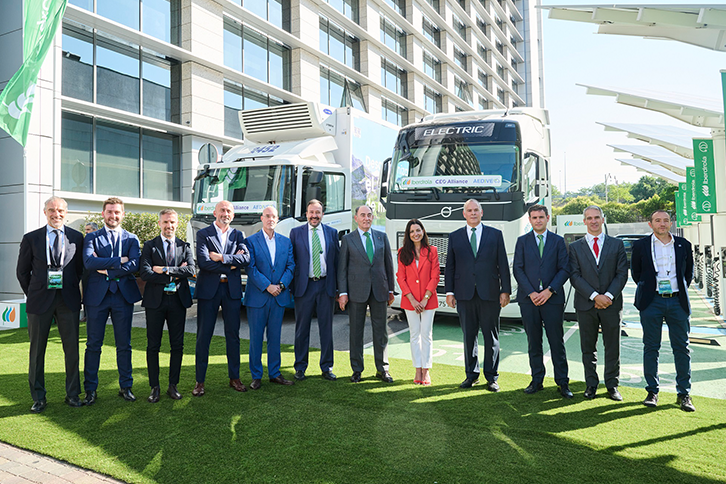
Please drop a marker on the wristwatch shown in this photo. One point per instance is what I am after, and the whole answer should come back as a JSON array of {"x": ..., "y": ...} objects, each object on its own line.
[
  {"x": 165, "y": 270},
  {"x": 282, "y": 286},
  {"x": 551, "y": 290},
  {"x": 427, "y": 296}
]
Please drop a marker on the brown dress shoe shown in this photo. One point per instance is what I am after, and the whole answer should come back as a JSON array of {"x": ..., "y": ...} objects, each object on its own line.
[
  {"x": 280, "y": 380},
  {"x": 237, "y": 385},
  {"x": 198, "y": 389}
]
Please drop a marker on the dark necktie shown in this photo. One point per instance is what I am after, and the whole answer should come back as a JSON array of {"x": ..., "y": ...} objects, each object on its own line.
[
  {"x": 170, "y": 259},
  {"x": 56, "y": 248}
]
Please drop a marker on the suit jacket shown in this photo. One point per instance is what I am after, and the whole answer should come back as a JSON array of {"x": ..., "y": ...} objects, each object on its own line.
[
  {"x": 587, "y": 276},
  {"x": 153, "y": 254},
  {"x": 32, "y": 270},
  {"x": 209, "y": 270},
  {"x": 529, "y": 268},
  {"x": 488, "y": 272},
  {"x": 416, "y": 280},
  {"x": 357, "y": 276},
  {"x": 301, "y": 253},
  {"x": 99, "y": 243},
  {"x": 643, "y": 270},
  {"x": 262, "y": 271}
]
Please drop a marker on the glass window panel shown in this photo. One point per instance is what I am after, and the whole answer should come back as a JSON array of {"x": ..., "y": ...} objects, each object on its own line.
[
  {"x": 254, "y": 99},
  {"x": 117, "y": 160},
  {"x": 157, "y": 88},
  {"x": 279, "y": 66},
  {"x": 77, "y": 64},
  {"x": 76, "y": 153},
  {"x": 324, "y": 36},
  {"x": 125, "y": 12},
  {"x": 275, "y": 13},
  {"x": 255, "y": 55},
  {"x": 232, "y": 106},
  {"x": 161, "y": 166},
  {"x": 118, "y": 75},
  {"x": 356, "y": 96},
  {"x": 156, "y": 18},
  {"x": 337, "y": 86},
  {"x": 85, "y": 4},
  {"x": 232, "y": 45},
  {"x": 258, "y": 7},
  {"x": 351, "y": 52},
  {"x": 324, "y": 88},
  {"x": 337, "y": 43}
]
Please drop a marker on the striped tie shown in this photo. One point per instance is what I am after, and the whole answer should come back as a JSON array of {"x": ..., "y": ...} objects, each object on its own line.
[{"x": 317, "y": 250}]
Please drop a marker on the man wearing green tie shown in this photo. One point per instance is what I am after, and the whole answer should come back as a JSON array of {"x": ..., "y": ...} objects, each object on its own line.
[{"x": 366, "y": 280}]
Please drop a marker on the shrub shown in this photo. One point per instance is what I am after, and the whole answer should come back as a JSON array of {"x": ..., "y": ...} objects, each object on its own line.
[{"x": 144, "y": 224}]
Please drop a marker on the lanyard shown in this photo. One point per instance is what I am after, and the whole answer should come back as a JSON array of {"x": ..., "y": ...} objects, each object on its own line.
[
  {"x": 109, "y": 237},
  {"x": 655, "y": 258},
  {"x": 47, "y": 247}
]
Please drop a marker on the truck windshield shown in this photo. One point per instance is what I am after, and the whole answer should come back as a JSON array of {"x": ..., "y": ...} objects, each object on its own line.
[
  {"x": 248, "y": 188},
  {"x": 460, "y": 157}
]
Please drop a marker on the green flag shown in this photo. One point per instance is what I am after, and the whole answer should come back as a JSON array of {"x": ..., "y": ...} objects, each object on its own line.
[{"x": 42, "y": 19}]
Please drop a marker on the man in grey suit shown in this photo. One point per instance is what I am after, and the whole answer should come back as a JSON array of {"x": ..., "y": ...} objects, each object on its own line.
[
  {"x": 365, "y": 279},
  {"x": 598, "y": 272}
]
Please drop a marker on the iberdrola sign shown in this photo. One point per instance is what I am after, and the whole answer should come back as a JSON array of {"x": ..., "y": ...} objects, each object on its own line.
[{"x": 705, "y": 183}]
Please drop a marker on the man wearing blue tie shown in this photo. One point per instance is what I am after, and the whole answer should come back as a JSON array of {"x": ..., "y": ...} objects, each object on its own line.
[
  {"x": 112, "y": 257},
  {"x": 540, "y": 268},
  {"x": 267, "y": 294}
]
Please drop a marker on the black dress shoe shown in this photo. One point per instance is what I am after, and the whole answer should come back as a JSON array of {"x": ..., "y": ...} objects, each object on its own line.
[
  {"x": 590, "y": 392},
  {"x": 74, "y": 402},
  {"x": 356, "y": 377},
  {"x": 126, "y": 394},
  {"x": 684, "y": 401},
  {"x": 565, "y": 390},
  {"x": 533, "y": 387},
  {"x": 492, "y": 386},
  {"x": 173, "y": 392},
  {"x": 329, "y": 375},
  {"x": 651, "y": 400},
  {"x": 154, "y": 397},
  {"x": 300, "y": 375},
  {"x": 256, "y": 384},
  {"x": 281, "y": 380},
  {"x": 469, "y": 382},
  {"x": 384, "y": 376},
  {"x": 39, "y": 406},
  {"x": 90, "y": 398},
  {"x": 614, "y": 394}
]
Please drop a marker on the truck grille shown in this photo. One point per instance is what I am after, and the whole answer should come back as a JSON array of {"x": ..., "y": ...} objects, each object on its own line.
[{"x": 441, "y": 241}]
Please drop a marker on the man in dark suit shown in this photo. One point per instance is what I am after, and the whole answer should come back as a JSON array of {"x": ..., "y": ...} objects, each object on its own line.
[
  {"x": 478, "y": 285},
  {"x": 540, "y": 268},
  {"x": 267, "y": 294},
  {"x": 315, "y": 248},
  {"x": 111, "y": 254},
  {"x": 598, "y": 272},
  {"x": 49, "y": 271},
  {"x": 366, "y": 279},
  {"x": 221, "y": 253},
  {"x": 662, "y": 266},
  {"x": 166, "y": 265}
]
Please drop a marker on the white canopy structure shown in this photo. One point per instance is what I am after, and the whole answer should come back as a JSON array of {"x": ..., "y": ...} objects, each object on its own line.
[
  {"x": 674, "y": 139},
  {"x": 654, "y": 170},
  {"x": 657, "y": 156}
]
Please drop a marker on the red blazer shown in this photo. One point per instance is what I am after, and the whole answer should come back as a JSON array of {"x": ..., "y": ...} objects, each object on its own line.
[{"x": 416, "y": 280}]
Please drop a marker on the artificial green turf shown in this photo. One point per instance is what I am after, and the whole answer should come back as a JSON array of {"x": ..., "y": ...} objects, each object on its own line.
[{"x": 339, "y": 432}]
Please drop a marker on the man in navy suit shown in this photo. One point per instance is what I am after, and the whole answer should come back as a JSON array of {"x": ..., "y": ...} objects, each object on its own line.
[
  {"x": 540, "y": 268},
  {"x": 662, "y": 266},
  {"x": 111, "y": 254},
  {"x": 52, "y": 251},
  {"x": 221, "y": 253},
  {"x": 315, "y": 248},
  {"x": 478, "y": 285},
  {"x": 267, "y": 294}
]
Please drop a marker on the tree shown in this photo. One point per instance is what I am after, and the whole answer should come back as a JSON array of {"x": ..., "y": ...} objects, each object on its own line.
[{"x": 648, "y": 186}]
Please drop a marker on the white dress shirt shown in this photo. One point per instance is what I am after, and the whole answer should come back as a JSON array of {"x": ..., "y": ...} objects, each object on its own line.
[
  {"x": 270, "y": 241},
  {"x": 479, "y": 229},
  {"x": 600, "y": 242},
  {"x": 222, "y": 236},
  {"x": 363, "y": 238},
  {"x": 664, "y": 261},
  {"x": 117, "y": 234}
]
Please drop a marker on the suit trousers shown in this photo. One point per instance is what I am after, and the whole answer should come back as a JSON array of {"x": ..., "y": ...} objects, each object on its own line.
[
  {"x": 379, "y": 315},
  {"x": 651, "y": 319},
  {"x": 316, "y": 300},
  {"x": 174, "y": 314},
  {"x": 476, "y": 314},
  {"x": 421, "y": 330},
  {"x": 551, "y": 317},
  {"x": 269, "y": 318},
  {"x": 207, "y": 310},
  {"x": 122, "y": 312},
  {"x": 609, "y": 320},
  {"x": 38, "y": 330}
]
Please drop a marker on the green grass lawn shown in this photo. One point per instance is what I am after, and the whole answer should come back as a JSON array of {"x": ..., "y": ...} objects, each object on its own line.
[{"x": 339, "y": 432}]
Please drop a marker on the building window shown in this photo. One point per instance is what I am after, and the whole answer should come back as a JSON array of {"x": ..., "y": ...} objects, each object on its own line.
[
  {"x": 393, "y": 78},
  {"x": 256, "y": 55},
  {"x": 434, "y": 4},
  {"x": 483, "y": 79},
  {"x": 460, "y": 59},
  {"x": 499, "y": 23},
  {"x": 514, "y": 63},
  {"x": 393, "y": 37},
  {"x": 500, "y": 95},
  {"x": 432, "y": 101},
  {"x": 500, "y": 47},
  {"x": 394, "y": 113},
  {"x": 125, "y": 78},
  {"x": 338, "y": 44},
  {"x": 482, "y": 25},
  {"x": 432, "y": 66},
  {"x": 462, "y": 90},
  {"x": 459, "y": 27},
  {"x": 338, "y": 91},
  {"x": 127, "y": 161},
  {"x": 399, "y": 6},
  {"x": 500, "y": 71},
  {"x": 238, "y": 97},
  {"x": 432, "y": 32},
  {"x": 349, "y": 8},
  {"x": 482, "y": 51},
  {"x": 483, "y": 103},
  {"x": 277, "y": 12}
]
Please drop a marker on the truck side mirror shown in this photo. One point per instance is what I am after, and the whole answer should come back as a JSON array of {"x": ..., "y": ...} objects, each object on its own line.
[{"x": 384, "y": 178}]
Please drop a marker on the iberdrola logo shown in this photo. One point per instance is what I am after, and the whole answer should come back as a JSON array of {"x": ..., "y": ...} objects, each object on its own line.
[
  {"x": 9, "y": 314},
  {"x": 22, "y": 104}
]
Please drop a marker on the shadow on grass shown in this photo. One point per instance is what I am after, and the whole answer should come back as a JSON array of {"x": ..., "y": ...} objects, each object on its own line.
[{"x": 320, "y": 431}]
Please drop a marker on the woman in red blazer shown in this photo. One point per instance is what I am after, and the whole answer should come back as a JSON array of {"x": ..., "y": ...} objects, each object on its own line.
[{"x": 418, "y": 275}]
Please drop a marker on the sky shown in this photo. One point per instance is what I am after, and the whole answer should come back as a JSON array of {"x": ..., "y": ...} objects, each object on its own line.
[{"x": 574, "y": 53}]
